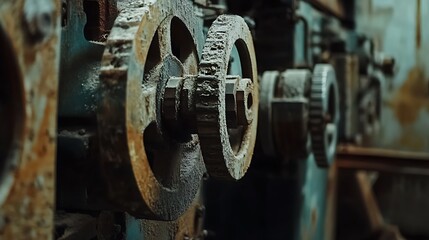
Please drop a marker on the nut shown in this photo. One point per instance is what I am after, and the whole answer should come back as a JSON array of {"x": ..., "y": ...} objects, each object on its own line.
[
  {"x": 187, "y": 105},
  {"x": 231, "y": 86},
  {"x": 244, "y": 98},
  {"x": 171, "y": 100}
]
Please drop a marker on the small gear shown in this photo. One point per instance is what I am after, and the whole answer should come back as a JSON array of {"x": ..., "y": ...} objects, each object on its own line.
[
  {"x": 324, "y": 114},
  {"x": 227, "y": 152}
]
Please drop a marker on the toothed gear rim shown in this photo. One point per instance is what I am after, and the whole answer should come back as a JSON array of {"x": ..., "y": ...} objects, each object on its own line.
[
  {"x": 220, "y": 159},
  {"x": 142, "y": 38},
  {"x": 324, "y": 114}
]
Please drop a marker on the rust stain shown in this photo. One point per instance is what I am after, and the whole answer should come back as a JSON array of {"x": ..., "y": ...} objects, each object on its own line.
[
  {"x": 27, "y": 212},
  {"x": 410, "y": 141},
  {"x": 314, "y": 218},
  {"x": 188, "y": 225},
  {"x": 411, "y": 98}
]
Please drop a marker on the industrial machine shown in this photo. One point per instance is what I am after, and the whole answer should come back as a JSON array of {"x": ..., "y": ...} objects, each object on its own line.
[{"x": 198, "y": 119}]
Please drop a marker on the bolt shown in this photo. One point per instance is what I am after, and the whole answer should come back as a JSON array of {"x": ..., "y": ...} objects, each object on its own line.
[
  {"x": 38, "y": 19},
  {"x": 244, "y": 102},
  {"x": 178, "y": 107},
  {"x": 178, "y": 110}
]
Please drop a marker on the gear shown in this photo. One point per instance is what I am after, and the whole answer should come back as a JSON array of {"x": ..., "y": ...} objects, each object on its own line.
[
  {"x": 149, "y": 172},
  {"x": 324, "y": 114},
  {"x": 227, "y": 152}
]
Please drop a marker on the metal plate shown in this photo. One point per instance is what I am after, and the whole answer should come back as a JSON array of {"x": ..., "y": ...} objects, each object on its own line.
[{"x": 30, "y": 40}]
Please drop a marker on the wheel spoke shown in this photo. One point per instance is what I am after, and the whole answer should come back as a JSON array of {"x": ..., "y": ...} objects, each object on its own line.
[{"x": 164, "y": 38}]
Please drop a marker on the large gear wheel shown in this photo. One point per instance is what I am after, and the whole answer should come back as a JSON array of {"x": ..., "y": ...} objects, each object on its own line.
[
  {"x": 324, "y": 114},
  {"x": 227, "y": 150},
  {"x": 29, "y": 56},
  {"x": 149, "y": 173}
]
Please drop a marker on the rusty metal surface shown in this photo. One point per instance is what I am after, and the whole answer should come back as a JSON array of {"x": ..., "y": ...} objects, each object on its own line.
[
  {"x": 383, "y": 160},
  {"x": 27, "y": 193},
  {"x": 222, "y": 158},
  {"x": 101, "y": 18},
  {"x": 189, "y": 226},
  {"x": 112, "y": 225}
]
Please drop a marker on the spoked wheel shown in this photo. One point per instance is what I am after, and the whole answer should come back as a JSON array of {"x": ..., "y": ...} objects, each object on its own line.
[{"x": 151, "y": 170}]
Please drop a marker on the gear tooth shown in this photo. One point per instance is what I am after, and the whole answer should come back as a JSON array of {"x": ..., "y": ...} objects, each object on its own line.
[{"x": 322, "y": 81}]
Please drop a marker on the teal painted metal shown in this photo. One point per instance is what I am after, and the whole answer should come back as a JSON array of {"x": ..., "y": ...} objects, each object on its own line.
[
  {"x": 80, "y": 64},
  {"x": 400, "y": 28},
  {"x": 312, "y": 217},
  {"x": 134, "y": 229}
]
